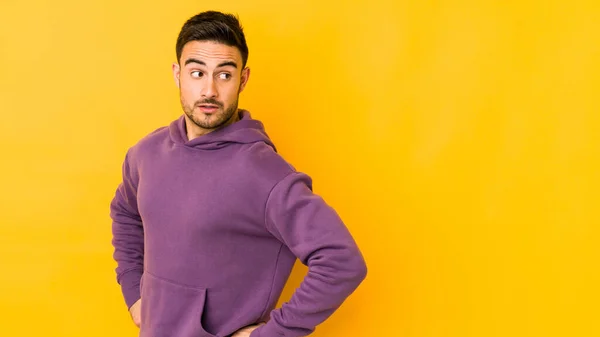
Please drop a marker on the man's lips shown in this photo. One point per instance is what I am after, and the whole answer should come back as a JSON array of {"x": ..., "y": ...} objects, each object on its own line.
[{"x": 208, "y": 107}]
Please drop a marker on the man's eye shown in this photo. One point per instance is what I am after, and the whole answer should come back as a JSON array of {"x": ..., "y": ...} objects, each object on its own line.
[
  {"x": 196, "y": 73},
  {"x": 224, "y": 76}
]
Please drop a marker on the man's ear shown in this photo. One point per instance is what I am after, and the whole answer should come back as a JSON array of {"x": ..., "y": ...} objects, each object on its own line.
[
  {"x": 245, "y": 77},
  {"x": 176, "y": 73}
]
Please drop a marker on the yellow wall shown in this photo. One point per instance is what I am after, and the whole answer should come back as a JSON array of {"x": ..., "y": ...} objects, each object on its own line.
[{"x": 459, "y": 140}]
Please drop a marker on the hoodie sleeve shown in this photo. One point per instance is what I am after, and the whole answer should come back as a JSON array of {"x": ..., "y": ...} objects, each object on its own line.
[
  {"x": 128, "y": 235},
  {"x": 317, "y": 236}
]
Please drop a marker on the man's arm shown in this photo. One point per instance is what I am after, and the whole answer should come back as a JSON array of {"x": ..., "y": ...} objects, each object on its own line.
[
  {"x": 318, "y": 237},
  {"x": 128, "y": 235}
]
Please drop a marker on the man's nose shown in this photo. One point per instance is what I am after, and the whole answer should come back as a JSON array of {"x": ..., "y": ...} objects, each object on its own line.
[{"x": 210, "y": 89}]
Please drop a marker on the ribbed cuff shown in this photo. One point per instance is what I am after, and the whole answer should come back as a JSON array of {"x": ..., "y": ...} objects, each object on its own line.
[{"x": 130, "y": 286}]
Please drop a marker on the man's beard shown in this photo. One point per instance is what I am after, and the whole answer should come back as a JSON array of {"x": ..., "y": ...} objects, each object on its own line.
[{"x": 213, "y": 121}]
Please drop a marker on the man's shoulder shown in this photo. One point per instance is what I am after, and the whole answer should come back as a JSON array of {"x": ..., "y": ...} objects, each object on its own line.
[
  {"x": 261, "y": 159},
  {"x": 150, "y": 141},
  {"x": 157, "y": 135}
]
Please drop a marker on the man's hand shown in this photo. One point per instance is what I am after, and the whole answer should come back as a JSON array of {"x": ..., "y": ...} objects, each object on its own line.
[
  {"x": 135, "y": 312},
  {"x": 245, "y": 332}
]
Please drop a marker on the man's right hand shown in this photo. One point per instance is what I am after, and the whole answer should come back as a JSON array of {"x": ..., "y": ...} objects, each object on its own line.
[{"x": 136, "y": 313}]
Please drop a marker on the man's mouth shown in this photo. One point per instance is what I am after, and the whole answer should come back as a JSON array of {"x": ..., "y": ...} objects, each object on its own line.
[{"x": 208, "y": 108}]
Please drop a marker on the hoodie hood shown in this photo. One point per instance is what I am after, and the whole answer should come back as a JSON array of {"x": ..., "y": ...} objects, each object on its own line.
[{"x": 245, "y": 131}]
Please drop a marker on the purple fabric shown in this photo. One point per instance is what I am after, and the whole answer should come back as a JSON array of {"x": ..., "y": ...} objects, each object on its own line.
[{"x": 211, "y": 229}]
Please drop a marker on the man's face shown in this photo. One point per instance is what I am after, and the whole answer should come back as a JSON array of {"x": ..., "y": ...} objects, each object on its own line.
[{"x": 210, "y": 78}]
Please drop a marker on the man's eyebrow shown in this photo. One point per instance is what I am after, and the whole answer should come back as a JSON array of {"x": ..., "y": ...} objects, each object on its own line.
[
  {"x": 223, "y": 64},
  {"x": 193, "y": 60},
  {"x": 227, "y": 63}
]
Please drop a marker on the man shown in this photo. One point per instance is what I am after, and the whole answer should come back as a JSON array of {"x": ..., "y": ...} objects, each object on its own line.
[{"x": 209, "y": 219}]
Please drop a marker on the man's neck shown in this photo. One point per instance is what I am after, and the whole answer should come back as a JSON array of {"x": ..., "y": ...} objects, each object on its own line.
[{"x": 194, "y": 131}]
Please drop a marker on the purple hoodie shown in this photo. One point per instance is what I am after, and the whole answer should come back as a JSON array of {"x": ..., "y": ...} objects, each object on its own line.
[{"x": 207, "y": 231}]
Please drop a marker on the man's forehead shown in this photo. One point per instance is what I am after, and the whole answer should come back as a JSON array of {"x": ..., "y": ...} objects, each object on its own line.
[{"x": 210, "y": 50}]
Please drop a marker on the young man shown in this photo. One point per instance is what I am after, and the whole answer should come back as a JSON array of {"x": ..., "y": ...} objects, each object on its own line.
[{"x": 209, "y": 219}]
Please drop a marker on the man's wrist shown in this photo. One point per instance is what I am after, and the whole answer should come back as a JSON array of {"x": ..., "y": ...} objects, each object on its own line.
[{"x": 130, "y": 286}]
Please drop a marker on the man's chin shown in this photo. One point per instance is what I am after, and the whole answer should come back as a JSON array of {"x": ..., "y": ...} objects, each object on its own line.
[{"x": 209, "y": 121}]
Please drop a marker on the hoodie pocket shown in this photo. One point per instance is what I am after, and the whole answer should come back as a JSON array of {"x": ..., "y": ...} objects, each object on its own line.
[{"x": 170, "y": 309}]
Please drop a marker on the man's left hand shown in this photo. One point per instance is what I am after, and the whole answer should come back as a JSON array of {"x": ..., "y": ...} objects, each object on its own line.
[{"x": 245, "y": 332}]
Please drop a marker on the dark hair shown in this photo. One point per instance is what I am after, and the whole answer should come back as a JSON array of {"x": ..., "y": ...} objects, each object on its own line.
[{"x": 213, "y": 26}]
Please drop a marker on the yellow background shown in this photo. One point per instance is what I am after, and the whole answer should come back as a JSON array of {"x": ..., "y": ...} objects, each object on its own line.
[{"x": 459, "y": 140}]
